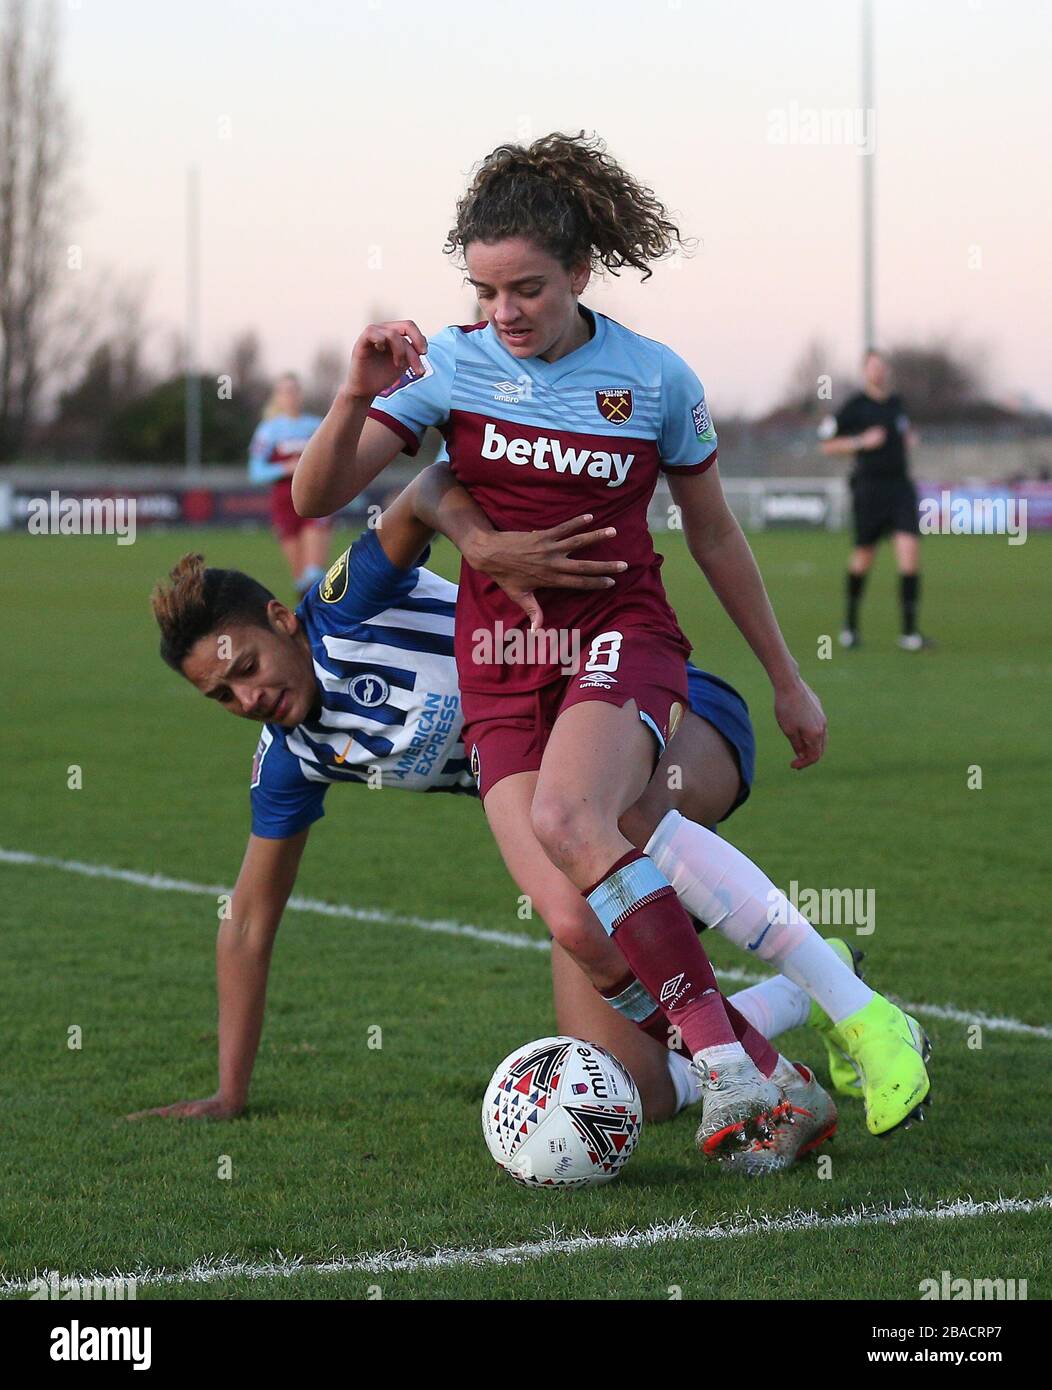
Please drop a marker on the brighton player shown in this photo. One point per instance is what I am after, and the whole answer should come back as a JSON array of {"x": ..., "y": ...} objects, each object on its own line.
[
  {"x": 550, "y": 409},
  {"x": 360, "y": 683},
  {"x": 272, "y": 456},
  {"x": 873, "y": 426}
]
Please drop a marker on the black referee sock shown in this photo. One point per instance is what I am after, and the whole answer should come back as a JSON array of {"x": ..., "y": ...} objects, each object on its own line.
[
  {"x": 855, "y": 584},
  {"x": 910, "y": 595}
]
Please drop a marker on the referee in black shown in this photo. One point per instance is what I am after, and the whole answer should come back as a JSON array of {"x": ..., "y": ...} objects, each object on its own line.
[{"x": 874, "y": 427}]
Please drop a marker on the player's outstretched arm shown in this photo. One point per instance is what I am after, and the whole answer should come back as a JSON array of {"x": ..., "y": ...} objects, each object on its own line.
[
  {"x": 243, "y": 950},
  {"x": 348, "y": 449},
  {"x": 521, "y": 562},
  {"x": 873, "y": 438},
  {"x": 717, "y": 544}
]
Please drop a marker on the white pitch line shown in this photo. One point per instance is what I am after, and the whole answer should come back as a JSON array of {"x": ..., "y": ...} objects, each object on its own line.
[
  {"x": 212, "y": 1269},
  {"x": 516, "y": 940},
  {"x": 161, "y": 883}
]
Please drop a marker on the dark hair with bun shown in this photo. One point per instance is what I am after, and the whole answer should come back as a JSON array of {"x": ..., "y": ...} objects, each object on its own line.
[{"x": 198, "y": 601}]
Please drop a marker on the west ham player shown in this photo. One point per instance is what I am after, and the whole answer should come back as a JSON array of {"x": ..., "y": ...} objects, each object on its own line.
[
  {"x": 550, "y": 409},
  {"x": 361, "y": 681},
  {"x": 874, "y": 427},
  {"x": 272, "y": 455}
]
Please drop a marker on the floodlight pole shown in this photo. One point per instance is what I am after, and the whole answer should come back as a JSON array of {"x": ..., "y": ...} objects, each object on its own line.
[
  {"x": 193, "y": 310},
  {"x": 869, "y": 160}
]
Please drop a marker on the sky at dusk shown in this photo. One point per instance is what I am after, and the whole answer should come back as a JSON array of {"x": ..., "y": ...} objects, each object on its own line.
[{"x": 334, "y": 136}]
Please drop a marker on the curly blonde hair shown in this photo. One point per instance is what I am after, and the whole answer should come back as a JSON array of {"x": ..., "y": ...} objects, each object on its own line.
[{"x": 571, "y": 198}]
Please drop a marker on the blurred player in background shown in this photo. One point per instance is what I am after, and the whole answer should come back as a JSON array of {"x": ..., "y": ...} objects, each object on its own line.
[
  {"x": 874, "y": 427},
  {"x": 272, "y": 457}
]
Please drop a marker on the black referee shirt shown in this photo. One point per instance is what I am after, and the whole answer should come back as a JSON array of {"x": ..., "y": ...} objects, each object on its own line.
[{"x": 888, "y": 463}]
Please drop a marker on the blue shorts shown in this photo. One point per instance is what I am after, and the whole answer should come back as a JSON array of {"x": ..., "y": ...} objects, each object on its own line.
[{"x": 720, "y": 704}]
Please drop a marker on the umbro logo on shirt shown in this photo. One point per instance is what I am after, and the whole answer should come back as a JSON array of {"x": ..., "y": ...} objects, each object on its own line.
[
  {"x": 510, "y": 392},
  {"x": 545, "y": 454}
]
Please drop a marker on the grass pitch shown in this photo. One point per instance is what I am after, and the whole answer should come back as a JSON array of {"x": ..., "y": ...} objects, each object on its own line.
[{"x": 348, "y": 1151}]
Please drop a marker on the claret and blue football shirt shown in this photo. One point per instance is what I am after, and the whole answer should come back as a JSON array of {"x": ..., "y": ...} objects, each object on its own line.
[
  {"x": 536, "y": 443},
  {"x": 276, "y": 443}
]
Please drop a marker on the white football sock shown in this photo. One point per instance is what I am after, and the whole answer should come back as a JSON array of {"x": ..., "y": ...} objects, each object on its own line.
[
  {"x": 773, "y": 1006},
  {"x": 685, "y": 1081},
  {"x": 839, "y": 992},
  {"x": 729, "y": 893},
  {"x": 720, "y": 1053}
]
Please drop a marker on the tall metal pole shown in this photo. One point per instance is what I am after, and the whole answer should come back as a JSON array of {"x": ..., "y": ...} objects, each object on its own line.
[
  {"x": 869, "y": 160},
  {"x": 193, "y": 310}
]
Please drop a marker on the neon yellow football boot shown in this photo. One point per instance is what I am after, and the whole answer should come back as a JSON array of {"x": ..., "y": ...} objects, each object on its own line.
[
  {"x": 843, "y": 1073},
  {"x": 889, "y": 1048}
]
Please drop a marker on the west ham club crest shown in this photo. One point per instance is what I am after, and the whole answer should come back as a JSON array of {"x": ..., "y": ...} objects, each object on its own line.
[{"x": 615, "y": 405}]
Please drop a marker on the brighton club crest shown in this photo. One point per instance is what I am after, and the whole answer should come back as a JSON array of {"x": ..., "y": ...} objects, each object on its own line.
[{"x": 615, "y": 405}]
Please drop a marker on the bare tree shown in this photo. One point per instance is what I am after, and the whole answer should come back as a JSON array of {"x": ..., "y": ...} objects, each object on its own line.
[
  {"x": 34, "y": 204},
  {"x": 939, "y": 379},
  {"x": 127, "y": 338},
  {"x": 327, "y": 371},
  {"x": 247, "y": 372},
  {"x": 810, "y": 380}
]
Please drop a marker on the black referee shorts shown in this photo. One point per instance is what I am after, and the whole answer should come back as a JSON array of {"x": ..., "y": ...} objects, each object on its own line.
[{"x": 882, "y": 507}]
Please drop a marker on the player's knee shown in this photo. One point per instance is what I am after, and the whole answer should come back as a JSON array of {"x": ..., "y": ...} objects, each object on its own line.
[
  {"x": 576, "y": 928},
  {"x": 564, "y": 829}
]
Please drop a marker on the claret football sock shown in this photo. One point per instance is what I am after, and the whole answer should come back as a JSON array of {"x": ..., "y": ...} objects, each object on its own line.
[
  {"x": 640, "y": 1007},
  {"x": 639, "y": 909},
  {"x": 755, "y": 1044},
  {"x": 635, "y": 1003},
  {"x": 726, "y": 890}
]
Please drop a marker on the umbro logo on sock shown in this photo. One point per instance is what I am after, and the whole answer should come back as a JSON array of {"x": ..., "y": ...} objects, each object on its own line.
[{"x": 672, "y": 991}]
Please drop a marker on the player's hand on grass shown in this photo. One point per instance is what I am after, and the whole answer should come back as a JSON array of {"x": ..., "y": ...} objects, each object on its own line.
[
  {"x": 214, "y": 1108},
  {"x": 524, "y": 561},
  {"x": 382, "y": 353},
  {"x": 802, "y": 719},
  {"x": 873, "y": 438}
]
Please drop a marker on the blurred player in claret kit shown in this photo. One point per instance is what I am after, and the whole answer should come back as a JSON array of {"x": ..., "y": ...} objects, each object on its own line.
[
  {"x": 361, "y": 681},
  {"x": 550, "y": 410},
  {"x": 874, "y": 427},
  {"x": 272, "y": 457}
]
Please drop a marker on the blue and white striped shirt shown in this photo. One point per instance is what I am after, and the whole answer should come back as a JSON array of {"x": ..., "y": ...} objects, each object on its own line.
[{"x": 389, "y": 703}]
